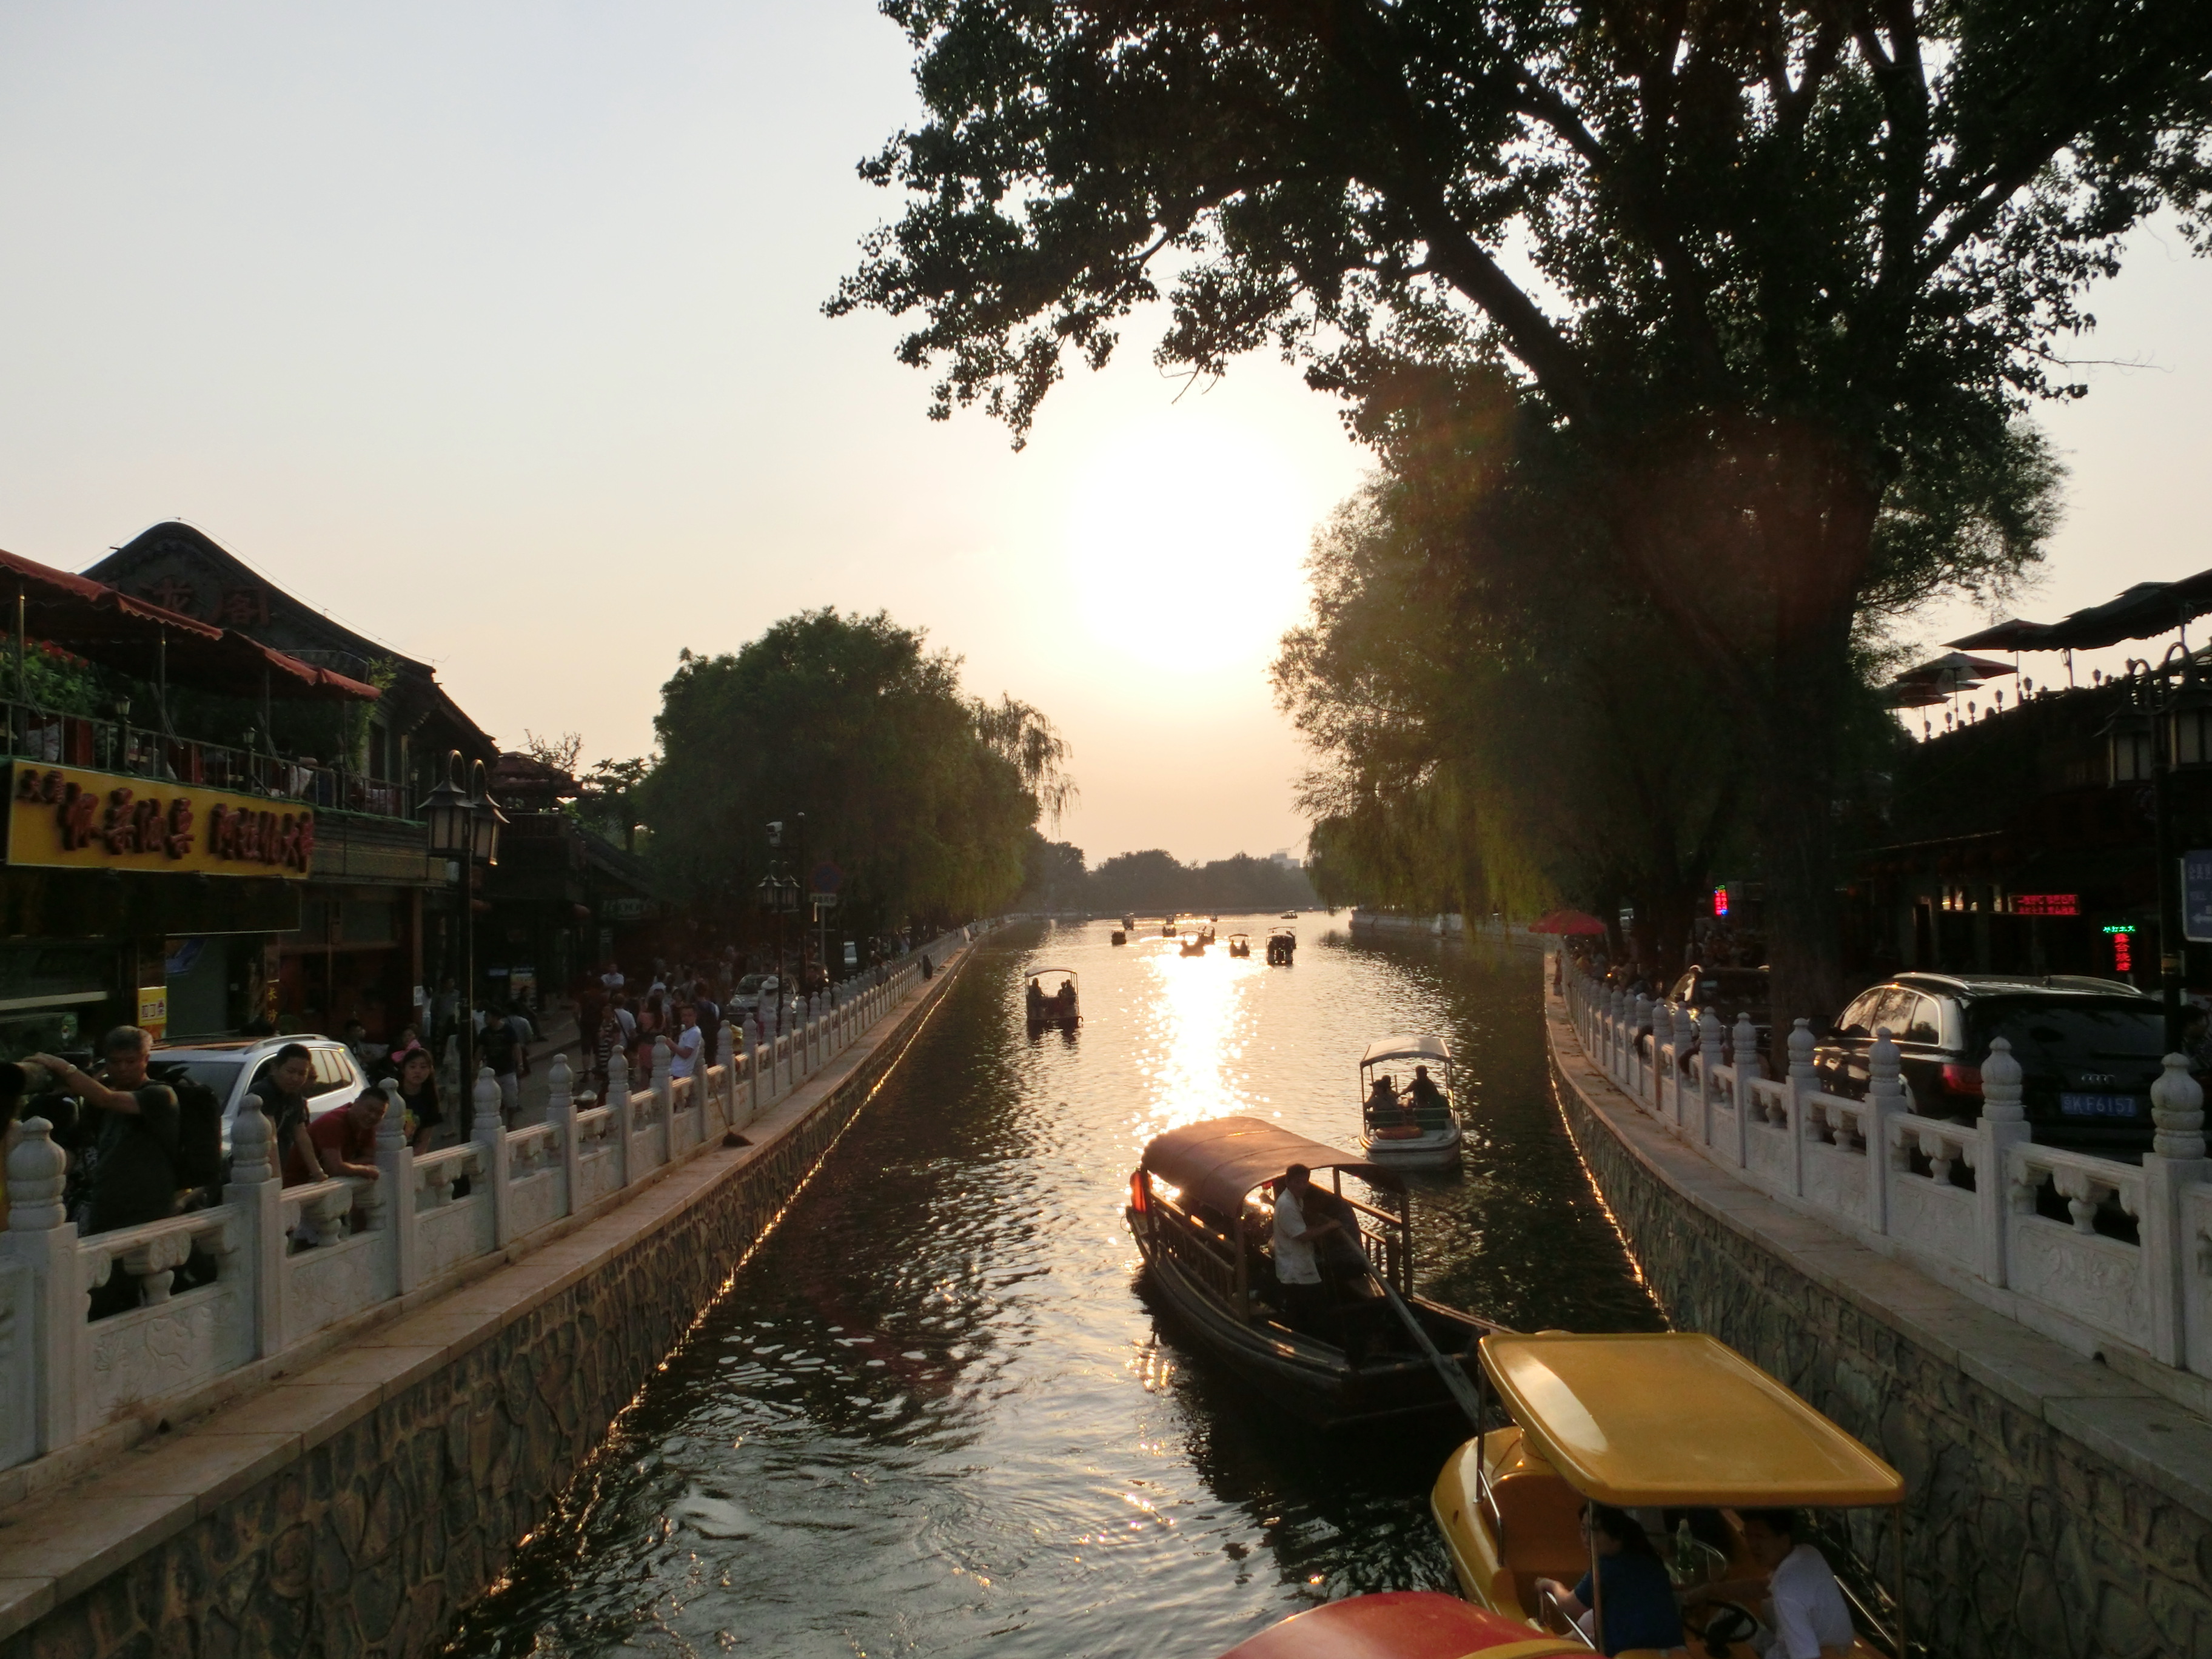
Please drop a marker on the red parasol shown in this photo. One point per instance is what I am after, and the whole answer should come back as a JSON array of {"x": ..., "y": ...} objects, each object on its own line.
[{"x": 1567, "y": 921}]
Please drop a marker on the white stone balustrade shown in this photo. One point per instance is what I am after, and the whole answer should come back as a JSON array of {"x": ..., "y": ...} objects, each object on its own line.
[
  {"x": 2090, "y": 1251},
  {"x": 272, "y": 1266}
]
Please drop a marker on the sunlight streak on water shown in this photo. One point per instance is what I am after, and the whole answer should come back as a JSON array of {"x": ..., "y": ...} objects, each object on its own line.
[{"x": 936, "y": 1413}]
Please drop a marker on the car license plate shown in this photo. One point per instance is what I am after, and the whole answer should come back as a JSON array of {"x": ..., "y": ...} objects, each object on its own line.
[{"x": 2101, "y": 1105}]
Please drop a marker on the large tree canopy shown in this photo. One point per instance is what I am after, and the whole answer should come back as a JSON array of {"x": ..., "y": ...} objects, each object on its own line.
[
  {"x": 924, "y": 797},
  {"x": 1783, "y": 276}
]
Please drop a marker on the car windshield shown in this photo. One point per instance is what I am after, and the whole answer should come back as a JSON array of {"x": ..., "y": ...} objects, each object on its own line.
[
  {"x": 2047, "y": 1030},
  {"x": 218, "y": 1077},
  {"x": 752, "y": 981}
]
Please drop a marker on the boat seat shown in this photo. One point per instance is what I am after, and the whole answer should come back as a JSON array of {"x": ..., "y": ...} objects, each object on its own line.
[{"x": 1541, "y": 1516}]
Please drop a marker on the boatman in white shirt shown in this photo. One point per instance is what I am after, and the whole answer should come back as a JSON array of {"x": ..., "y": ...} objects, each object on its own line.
[
  {"x": 1305, "y": 1297},
  {"x": 1807, "y": 1617}
]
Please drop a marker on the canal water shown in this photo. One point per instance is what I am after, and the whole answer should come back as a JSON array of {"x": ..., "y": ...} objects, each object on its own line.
[{"x": 936, "y": 1414}]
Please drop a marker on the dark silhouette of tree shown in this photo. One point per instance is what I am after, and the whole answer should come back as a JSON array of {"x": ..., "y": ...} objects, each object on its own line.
[{"x": 1781, "y": 278}]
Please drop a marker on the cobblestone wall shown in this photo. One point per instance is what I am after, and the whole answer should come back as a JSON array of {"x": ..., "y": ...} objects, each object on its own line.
[
  {"x": 375, "y": 1540},
  {"x": 2021, "y": 1542}
]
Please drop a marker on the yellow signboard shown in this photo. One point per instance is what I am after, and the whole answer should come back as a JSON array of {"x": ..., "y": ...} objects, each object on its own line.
[
  {"x": 71, "y": 819},
  {"x": 154, "y": 1009}
]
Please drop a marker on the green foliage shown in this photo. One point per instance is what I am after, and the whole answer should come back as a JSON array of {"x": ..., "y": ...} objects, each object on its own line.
[
  {"x": 64, "y": 683},
  {"x": 923, "y": 797},
  {"x": 1793, "y": 272}
]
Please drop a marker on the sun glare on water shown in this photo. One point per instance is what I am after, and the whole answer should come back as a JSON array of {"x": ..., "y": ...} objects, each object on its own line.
[{"x": 1188, "y": 540}]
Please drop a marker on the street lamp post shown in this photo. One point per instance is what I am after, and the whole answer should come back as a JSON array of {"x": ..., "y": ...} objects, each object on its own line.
[{"x": 463, "y": 827}]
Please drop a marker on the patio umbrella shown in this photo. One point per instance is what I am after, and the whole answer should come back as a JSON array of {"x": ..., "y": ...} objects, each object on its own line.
[{"x": 1567, "y": 921}]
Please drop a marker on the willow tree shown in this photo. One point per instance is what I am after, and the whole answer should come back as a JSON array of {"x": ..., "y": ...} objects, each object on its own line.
[
  {"x": 924, "y": 796},
  {"x": 1784, "y": 274}
]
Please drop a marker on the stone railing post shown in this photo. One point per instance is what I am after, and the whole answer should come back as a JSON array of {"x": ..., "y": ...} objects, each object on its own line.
[
  {"x": 40, "y": 1237},
  {"x": 1618, "y": 1005},
  {"x": 617, "y": 1105},
  {"x": 1885, "y": 1098},
  {"x": 257, "y": 1188},
  {"x": 561, "y": 1113},
  {"x": 1686, "y": 1033},
  {"x": 1748, "y": 1071},
  {"x": 726, "y": 1105},
  {"x": 2175, "y": 1160},
  {"x": 2001, "y": 1125},
  {"x": 1710, "y": 1039},
  {"x": 395, "y": 1184},
  {"x": 663, "y": 1096},
  {"x": 491, "y": 1135},
  {"x": 1803, "y": 1083},
  {"x": 1639, "y": 1010}
]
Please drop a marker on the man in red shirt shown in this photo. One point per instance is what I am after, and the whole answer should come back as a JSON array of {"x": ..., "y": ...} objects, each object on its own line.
[{"x": 345, "y": 1141}]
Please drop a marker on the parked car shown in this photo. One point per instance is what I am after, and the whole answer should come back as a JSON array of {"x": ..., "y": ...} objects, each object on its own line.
[
  {"x": 2088, "y": 1049},
  {"x": 230, "y": 1067},
  {"x": 753, "y": 989}
]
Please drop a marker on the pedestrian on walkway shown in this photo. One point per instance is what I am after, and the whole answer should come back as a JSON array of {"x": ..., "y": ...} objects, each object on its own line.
[
  {"x": 413, "y": 1090},
  {"x": 683, "y": 1060}
]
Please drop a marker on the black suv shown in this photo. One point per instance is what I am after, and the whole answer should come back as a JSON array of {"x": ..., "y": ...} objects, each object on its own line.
[{"x": 2088, "y": 1050}]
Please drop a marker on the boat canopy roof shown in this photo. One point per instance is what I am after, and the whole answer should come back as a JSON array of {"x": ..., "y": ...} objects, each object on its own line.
[
  {"x": 1219, "y": 1161},
  {"x": 1677, "y": 1419},
  {"x": 1039, "y": 972},
  {"x": 1407, "y": 1045}
]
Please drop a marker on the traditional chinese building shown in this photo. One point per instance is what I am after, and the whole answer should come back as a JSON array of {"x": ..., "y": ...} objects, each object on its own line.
[{"x": 151, "y": 867}]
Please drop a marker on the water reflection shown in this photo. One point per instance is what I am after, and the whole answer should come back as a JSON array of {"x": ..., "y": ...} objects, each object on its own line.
[{"x": 936, "y": 1415}]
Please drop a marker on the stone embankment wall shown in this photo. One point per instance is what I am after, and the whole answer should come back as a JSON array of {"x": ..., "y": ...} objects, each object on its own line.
[
  {"x": 2056, "y": 1507},
  {"x": 360, "y": 1506}
]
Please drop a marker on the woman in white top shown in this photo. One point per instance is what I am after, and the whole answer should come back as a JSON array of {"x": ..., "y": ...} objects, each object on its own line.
[{"x": 1805, "y": 1614}]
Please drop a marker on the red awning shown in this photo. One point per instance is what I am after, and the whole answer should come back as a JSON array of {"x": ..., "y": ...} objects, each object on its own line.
[{"x": 105, "y": 625}]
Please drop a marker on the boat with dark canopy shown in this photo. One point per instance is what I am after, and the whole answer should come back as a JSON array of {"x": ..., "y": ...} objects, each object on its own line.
[
  {"x": 1061, "y": 1007},
  {"x": 1206, "y": 1229}
]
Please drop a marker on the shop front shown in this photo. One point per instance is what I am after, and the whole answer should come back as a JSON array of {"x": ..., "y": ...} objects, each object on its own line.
[{"x": 111, "y": 880}]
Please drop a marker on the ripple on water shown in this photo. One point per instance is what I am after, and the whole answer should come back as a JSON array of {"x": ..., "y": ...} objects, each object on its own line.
[{"x": 936, "y": 1414}]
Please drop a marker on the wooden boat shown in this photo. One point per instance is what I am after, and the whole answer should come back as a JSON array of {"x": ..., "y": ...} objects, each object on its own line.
[
  {"x": 1290, "y": 915},
  {"x": 1206, "y": 1234},
  {"x": 1648, "y": 1421},
  {"x": 1062, "y": 1008},
  {"x": 1240, "y": 945},
  {"x": 1120, "y": 936},
  {"x": 1194, "y": 944},
  {"x": 1398, "y": 1624},
  {"x": 1282, "y": 947},
  {"x": 1167, "y": 928},
  {"x": 1407, "y": 1136},
  {"x": 1129, "y": 924}
]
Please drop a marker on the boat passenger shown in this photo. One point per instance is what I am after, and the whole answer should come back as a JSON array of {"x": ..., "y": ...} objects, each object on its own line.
[
  {"x": 1382, "y": 1102},
  {"x": 1036, "y": 1000},
  {"x": 1064, "y": 998},
  {"x": 1305, "y": 1296},
  {"x": 1639, "y": 1601},
  {"x": 1807, "y": 1612},
  {"x": 1425, "y": 1095}
]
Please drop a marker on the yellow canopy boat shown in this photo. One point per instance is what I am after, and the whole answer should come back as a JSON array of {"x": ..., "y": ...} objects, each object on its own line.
[{"x": 1669, "y": 1420}]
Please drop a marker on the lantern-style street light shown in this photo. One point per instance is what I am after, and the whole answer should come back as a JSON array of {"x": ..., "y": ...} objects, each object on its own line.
[{"x": 463, "y": 826}]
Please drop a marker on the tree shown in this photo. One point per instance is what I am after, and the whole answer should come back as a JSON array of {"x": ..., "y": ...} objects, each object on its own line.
[
  {"x": 1783, "y": 276},
  {"x": 925, "y": 797},
  {"x": 610, "y": 796}
]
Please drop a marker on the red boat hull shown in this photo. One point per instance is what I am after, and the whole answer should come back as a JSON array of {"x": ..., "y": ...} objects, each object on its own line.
[{"x": 1401, "y": 1625}]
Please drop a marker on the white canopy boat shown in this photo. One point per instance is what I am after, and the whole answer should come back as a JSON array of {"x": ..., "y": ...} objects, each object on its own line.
[{"x": 1418, "y": 1126}]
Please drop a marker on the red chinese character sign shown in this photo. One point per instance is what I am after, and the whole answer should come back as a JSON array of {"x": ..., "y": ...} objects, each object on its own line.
[
  {"x": 2046, "y": 904},
  {"x": 67, "y": 817}
]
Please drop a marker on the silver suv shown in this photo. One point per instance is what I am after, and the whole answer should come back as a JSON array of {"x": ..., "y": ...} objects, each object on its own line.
[{"x": 232, "y": 1068}]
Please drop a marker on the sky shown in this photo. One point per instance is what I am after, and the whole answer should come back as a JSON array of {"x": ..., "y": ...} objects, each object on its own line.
[{"x": 495, "y": 330}]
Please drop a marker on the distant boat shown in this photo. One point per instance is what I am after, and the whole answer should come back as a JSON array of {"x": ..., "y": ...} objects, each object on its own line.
[
  {"x": 1120, "y": 937},
  {"x": 1062, "y": 1008},
  {"x": 1406, "y": 1133}
]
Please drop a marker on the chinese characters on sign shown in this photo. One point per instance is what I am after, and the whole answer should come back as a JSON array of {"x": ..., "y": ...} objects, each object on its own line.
[
  {"x": 234, "y": 607},
  {"x": 2197, "y": 896},
  {"x": 2122, "y": 937},
  {"x": 70, "y": 818},
  {"x": 2046, "y": 904}
]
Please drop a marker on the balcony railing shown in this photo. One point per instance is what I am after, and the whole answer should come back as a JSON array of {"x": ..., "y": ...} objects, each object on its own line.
[{"x": 47, "y": 736}]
